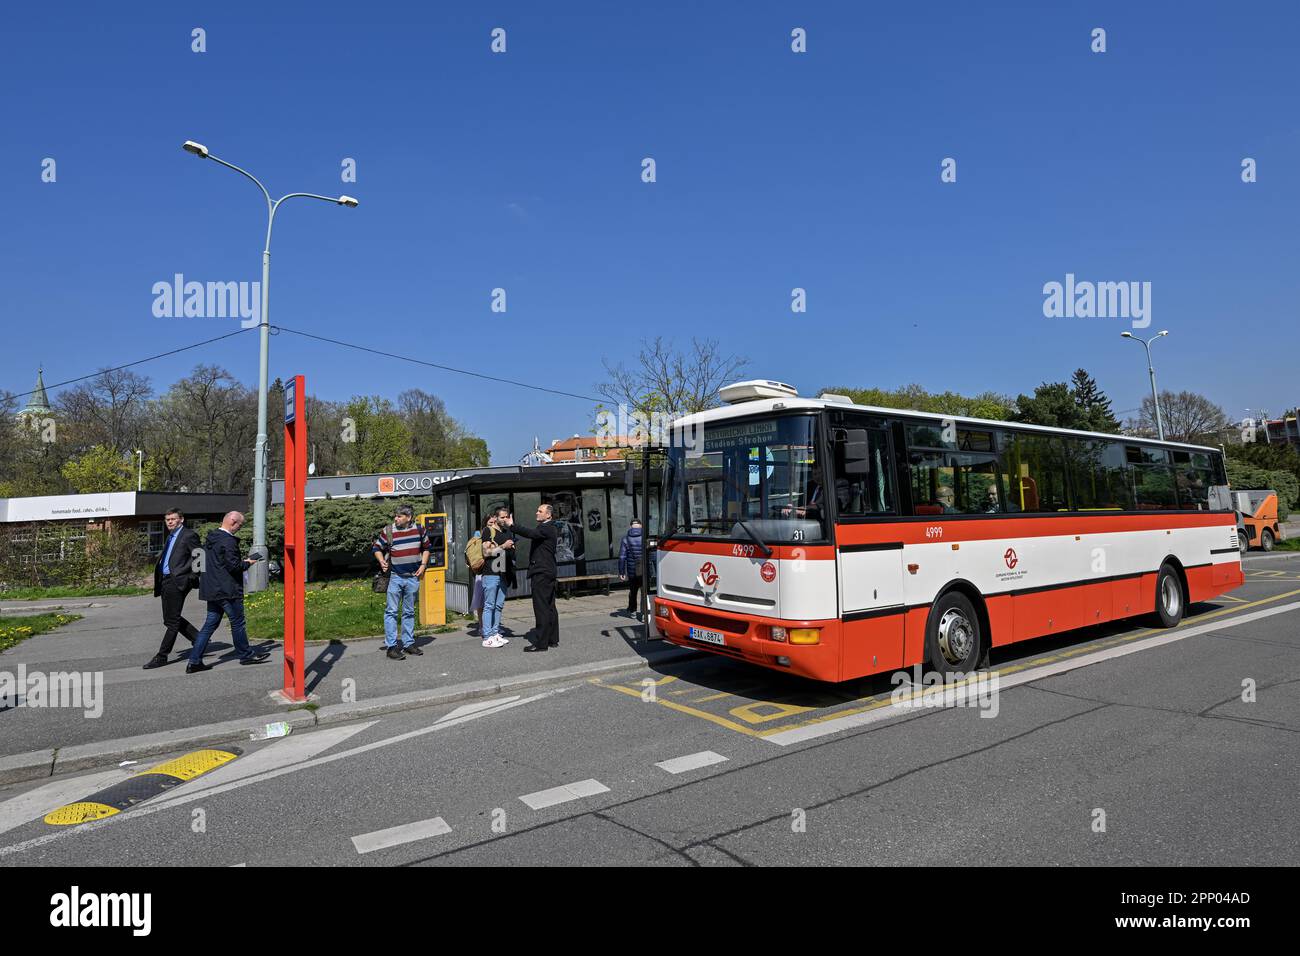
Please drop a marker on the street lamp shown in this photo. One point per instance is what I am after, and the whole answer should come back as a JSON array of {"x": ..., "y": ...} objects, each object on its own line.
[
  {"x": 139, "y": 470},
  {"x": 1155, "y": 397},
  {"x": 257, "y": 575}
]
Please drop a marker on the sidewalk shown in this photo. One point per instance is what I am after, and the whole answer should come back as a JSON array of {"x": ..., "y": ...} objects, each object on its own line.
[{"x": 162, "y": 710}]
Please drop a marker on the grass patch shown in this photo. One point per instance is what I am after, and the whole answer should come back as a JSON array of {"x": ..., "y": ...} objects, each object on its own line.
[
  {"x": 1290, "y": 544},
  {"x": 335, "y": 610},
  {"x": 36, "y": 594},
  {"x": 15, "y": 630}
]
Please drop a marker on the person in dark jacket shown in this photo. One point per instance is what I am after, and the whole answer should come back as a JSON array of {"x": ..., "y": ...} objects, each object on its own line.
[
  {"x": 221, "y": 584},
  {"x": 629, "y": 564},
  {"x": 173, "y": 579},
  {"x": 541, "y": 576}
]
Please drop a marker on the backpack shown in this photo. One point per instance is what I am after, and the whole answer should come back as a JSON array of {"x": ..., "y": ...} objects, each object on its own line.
[{"x": 474, "y": 554}]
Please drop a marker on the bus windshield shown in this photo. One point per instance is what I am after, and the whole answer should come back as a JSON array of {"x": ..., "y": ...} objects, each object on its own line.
[{"x": 763, "y": 472}]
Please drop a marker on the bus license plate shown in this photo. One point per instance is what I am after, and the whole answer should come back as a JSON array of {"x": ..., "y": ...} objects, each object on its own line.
[{"x": 708, "y": 637}]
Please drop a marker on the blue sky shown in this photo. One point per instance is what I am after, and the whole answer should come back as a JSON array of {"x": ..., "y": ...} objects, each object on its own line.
[{"x": 775, "y": 170}]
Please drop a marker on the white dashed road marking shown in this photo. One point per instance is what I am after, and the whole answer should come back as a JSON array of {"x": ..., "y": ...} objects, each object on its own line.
[
  {"x": 563, "y": 794},
  {"x": 396, "y": 836},
  {"x": 704, "y": 758}
]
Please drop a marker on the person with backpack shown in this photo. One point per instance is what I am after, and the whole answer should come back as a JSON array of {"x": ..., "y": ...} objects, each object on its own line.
[
  {"x": 497, "y": 577},
  {"x": 629, "y": 564},
  {"x": 474, "y": 560},
  {"x": 402, "y": 550}
]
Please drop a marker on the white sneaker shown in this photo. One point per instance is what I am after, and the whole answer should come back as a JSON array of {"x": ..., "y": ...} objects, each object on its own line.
[
  {"x": 487, "y": 642},
  {"x": 502, "y": 641}
]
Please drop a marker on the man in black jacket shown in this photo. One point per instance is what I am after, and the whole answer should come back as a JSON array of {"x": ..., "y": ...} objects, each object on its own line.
[
  {"x": 541, "y": 577},
  {"x": 173, "y": 579},
  {"x": 221, "y": 584}
]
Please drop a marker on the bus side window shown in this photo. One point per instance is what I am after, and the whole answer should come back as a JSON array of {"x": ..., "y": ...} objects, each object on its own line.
[{"x": 863, "y": 472}]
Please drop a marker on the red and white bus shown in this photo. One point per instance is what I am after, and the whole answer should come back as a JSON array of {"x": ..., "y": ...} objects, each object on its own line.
[{"x": 835, "y": 540}]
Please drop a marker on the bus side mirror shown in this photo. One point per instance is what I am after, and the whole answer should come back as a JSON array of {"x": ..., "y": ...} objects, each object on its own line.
[{"x": 856, "y": 452}]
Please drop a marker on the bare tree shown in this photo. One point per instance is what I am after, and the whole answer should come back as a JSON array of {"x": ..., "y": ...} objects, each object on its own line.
[
  {"x": 110, "y": 409},
  {"x": 1188, "y": 417},
  {"x": 665, "y": 379}
]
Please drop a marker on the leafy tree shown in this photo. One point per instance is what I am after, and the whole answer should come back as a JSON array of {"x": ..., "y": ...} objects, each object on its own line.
[
  {"x": 1093, "y": 403},
  {"x": 437, "y": 439},
  {"x": 1080, "y": 405},
  {"x": 1244, "y": 475},
  {"x": 914, "y": 397},
  {"x": 383, "y": 440},
  {"x": 103, "y": 469}
]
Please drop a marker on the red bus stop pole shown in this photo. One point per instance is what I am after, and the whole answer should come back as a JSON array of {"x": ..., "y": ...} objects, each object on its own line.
[{"x": 295, "y": 539}]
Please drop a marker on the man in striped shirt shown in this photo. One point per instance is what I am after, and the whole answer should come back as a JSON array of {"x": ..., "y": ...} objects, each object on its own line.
[{"x": 402, "y": 549}]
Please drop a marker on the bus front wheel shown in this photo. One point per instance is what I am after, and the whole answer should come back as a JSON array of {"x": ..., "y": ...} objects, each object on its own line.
[
  {"x": 1169, "y": 596},
  {"x": 953, "y": 641}
]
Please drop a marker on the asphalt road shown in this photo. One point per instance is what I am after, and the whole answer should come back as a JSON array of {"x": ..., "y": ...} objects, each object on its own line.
[{"x": 1146, "y": 754}]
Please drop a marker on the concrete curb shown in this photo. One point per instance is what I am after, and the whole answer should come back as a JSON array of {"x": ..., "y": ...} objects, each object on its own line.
[
  {"x": 46, "y": 608},
  {"x": 38, "y": 764}
]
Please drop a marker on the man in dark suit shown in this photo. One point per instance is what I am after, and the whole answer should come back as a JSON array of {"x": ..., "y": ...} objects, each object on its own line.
[
  {"x": 541, "y": 577},
  {"x": 173, "y": 579},
  {"x": 221, "y": 584}
]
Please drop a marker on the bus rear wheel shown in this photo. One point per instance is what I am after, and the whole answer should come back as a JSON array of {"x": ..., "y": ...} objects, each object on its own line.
[
  {"x": 1266, "y": 540},
  {"x": 953, "y": 642},
  {"x": 1169, "y": 596}
]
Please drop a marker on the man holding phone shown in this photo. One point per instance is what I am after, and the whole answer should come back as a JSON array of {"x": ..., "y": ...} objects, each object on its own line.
[{"x": 221, "y": 584}]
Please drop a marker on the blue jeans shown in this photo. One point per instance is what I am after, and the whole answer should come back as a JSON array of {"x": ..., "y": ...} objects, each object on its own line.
[
  {"x": 494, "y": 599},
  {"x": 233, "y": 609},
  {"x": 401, "y": 604}
]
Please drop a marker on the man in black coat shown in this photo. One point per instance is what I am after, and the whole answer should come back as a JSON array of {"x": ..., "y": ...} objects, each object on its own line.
[
  {"x": 173, "y": 579},
  {"x": 221, "y": 584},
  {"x": 541, "y": 577}
]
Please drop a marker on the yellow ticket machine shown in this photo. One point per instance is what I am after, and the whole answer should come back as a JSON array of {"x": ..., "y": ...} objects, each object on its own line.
[{"x": 433, "y": 590}]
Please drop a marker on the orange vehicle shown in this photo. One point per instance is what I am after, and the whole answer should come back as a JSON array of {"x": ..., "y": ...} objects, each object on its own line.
[
  {"x": 833, "y": 540},
  {"x": 1257, "y": 524}
]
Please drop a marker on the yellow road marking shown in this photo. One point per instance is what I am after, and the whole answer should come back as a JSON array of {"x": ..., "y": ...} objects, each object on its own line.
[
  {"x": 877, "y": 701},
  {"x": 749, "y": 712},
  {"x": 673, "y": 705}
]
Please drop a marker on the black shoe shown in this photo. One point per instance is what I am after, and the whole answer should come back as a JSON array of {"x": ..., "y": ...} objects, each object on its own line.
[
  {"x": 255, "y": 658},
  {"x": 195, "y": 668},
  {"x": 412, "y": 649},
  {"x": 554, "y": 644},
  {"x": 158, "y": 660},
  {"x": 531, "y": 648},
  {"x": 395, "y": 654}
]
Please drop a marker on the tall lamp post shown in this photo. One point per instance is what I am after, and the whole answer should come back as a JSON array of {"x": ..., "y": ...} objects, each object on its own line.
[
  {"x": 1155, "y": 396},
  {"x": 139, "y": 470},
  {"x": 257, "y": 574}
]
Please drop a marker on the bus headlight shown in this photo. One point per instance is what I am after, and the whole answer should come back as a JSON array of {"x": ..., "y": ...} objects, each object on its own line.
[
  {"x": 778, "y": 634},
  {"x": 661, "y": 610},
  {"x": 805, "y": 635}
]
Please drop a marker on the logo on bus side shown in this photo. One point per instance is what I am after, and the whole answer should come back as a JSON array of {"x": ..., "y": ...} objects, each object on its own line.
[
  {"x": 1010, "y": 558},
  {"x": 708, "y": 573},
  {"x": 768, "y": 571}
]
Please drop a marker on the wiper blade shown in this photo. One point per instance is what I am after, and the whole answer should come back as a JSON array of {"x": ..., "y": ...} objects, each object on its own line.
[{"x": 744, "y": 526}]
